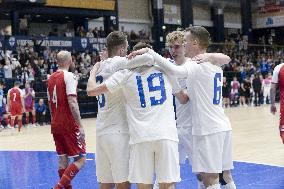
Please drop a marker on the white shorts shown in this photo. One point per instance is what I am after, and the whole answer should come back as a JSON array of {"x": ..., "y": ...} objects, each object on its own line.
[
  {"x": 185, "y": 144},
  {"x": 160, "y": 157},
  {"x": 212, "y": 153},
  {"x": 112, "y": 158}
]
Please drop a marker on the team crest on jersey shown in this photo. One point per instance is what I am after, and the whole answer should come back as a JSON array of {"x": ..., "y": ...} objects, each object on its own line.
[
  {"x": 84, "y": 42},
  {"x": 12, "y": 41}
]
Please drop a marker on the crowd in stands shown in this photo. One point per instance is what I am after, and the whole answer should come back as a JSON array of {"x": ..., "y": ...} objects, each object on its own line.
[{"x": 251, "y": 66}]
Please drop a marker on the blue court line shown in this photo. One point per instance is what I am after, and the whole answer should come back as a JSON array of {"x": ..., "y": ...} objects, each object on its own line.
[{"x": 38, "y": 170}]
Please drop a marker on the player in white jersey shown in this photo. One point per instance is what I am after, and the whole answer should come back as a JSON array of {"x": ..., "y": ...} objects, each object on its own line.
[
  {"x": 112, "y": 141},
  {"x": 212, "y": 150},
  {"x": 152, "y": 126}
]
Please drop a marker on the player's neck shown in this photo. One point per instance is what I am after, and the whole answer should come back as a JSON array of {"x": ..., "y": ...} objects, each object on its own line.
[
  {"x": 63, "y": 68},
  {"x": 180, "y": 60}
]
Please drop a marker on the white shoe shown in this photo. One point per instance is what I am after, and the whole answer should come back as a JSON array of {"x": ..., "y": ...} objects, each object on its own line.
[
  {"x": 16, "y": 126},
  {"x": 34, "y": 125}
]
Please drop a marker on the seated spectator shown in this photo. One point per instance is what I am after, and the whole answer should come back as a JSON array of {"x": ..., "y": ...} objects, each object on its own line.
[
  {"x": 90, "y": 33},
  {"x": 40, "y": 109}
]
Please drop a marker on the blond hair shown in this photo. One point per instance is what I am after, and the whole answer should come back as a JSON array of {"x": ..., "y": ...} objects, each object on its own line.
[
  {"x": 63, "y": 56},
  {"x": 175, "y": 36}
]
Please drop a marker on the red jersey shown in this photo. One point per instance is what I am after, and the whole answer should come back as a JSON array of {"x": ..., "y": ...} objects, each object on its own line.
[
  {"x": 60, "y": 85},
  {"x": 278, "y": 77},
  {"x": 15, "y": 96}
]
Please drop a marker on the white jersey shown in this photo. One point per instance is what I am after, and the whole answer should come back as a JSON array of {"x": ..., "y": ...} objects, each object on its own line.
[
  {"x": 111, "y": 116},
  {"x": 275, "y": 76},
  {"x": 183, "y": 111},
  {"x": 204, "y": 84},
  {"x": 149, "y": 103}
]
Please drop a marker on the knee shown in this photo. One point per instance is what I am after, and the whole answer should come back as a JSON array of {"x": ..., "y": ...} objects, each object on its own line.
[
  {"x": 63, "y": 162},
  {"x": 210, "y": 179},
  {"x": 167, "y": 185},
  {"x": 80, "y": 162},
  {"x": 124, "y": 185}
]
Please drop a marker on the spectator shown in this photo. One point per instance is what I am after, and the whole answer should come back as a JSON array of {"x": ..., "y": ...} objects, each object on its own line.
[
  {"x": 257, "y": 85},
  {"x": 90, "y": 34},
  {"x": 40, "y": 109}
]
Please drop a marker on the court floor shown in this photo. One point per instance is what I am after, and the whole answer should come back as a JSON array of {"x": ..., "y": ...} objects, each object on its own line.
[{"x": 28, "y": 160}]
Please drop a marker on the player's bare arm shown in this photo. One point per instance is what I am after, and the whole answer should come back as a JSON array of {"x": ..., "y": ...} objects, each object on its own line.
[
  {"x": 92, "y": 79},
  {"x": 182, "y": 96},
  {"x": 218, "y": 59},
  {"x": 99, "y": 89},
  {"x": 272, "y": 97},
  {"x": 74, "y": 107}
]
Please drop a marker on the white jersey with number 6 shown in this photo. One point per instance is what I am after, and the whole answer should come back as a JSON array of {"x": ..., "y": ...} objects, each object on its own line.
[
  {"x": 204, "y": 84},
  {"x": 149, "y": 103}
]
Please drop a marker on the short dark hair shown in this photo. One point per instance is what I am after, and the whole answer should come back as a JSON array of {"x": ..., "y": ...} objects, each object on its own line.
[
  {"x": 201, "y": 34},
  {"x": 17, "y": 83},
  {"x": 141, "y": 45},
  {"x": 114, "y": 40}
]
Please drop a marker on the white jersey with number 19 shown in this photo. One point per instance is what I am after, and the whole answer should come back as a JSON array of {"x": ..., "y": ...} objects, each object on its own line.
[{"x": 149, "y": 103}]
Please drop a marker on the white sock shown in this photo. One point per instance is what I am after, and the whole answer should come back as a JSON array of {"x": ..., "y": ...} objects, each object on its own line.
[
  {"x": 200, "y": 185},
  {"x": 156, "y": 185},
  {"x": 216, "y": 186},
  {"x": 230, "y": 185}
]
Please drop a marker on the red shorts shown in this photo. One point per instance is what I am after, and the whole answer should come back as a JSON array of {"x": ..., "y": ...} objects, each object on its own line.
[
  {"x": 69, "y": 144},
  {"x": 16, "y": 111}
]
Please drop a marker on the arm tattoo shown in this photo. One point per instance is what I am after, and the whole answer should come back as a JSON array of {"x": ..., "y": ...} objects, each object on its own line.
[{"x": 74, "y": 107}]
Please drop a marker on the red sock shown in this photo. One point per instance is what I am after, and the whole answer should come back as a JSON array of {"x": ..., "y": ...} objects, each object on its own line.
[
  {"x": 34, "y": 119},
  {"x": 68, "y": 175},
  {"x": 60, "y": 173}
]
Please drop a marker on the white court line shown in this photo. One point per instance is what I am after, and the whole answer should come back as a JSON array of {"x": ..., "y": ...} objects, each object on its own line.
[{"x": 259, "y": 163}]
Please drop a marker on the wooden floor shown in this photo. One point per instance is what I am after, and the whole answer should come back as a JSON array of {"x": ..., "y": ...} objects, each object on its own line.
[{"x": 255, "y": 136}]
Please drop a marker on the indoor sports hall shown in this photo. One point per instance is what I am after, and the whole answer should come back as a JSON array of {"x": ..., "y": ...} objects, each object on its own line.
[{"x": 32, "y": 32}]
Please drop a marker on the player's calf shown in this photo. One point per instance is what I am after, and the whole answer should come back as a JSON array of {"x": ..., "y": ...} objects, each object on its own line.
[
  {"x": 167, "y": 185},
  {"x": 106, "y": 185},
  {"x": 124, "y": 185}
]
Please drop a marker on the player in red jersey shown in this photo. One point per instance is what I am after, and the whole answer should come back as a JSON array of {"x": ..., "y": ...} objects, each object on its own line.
[
  {"x": 278, "y": 79},
  {"x": 15, "y": 104},
  {"x": 66, "y": 126}
]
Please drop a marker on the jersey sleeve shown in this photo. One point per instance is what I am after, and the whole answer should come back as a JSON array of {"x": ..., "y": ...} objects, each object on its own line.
[
  {"x": 118, "y": 63},
  {"x": 276, "y": 73},
  {"x": 192, "y": 68},
  {"x": 71, "y": 83},
  {"x": 117, "y": 80}
]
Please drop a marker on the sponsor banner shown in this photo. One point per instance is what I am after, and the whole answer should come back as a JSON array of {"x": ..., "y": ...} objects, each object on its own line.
[{"x": 75, "y": 43}]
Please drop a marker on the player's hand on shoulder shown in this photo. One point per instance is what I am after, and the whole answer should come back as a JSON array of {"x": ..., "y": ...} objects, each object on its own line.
[
  {"x": 201, "y": 58},
  {"x": 138, "y": 52}
]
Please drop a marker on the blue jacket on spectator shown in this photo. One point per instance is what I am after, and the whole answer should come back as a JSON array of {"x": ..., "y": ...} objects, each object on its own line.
[{"x": 39, "y": 108}]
